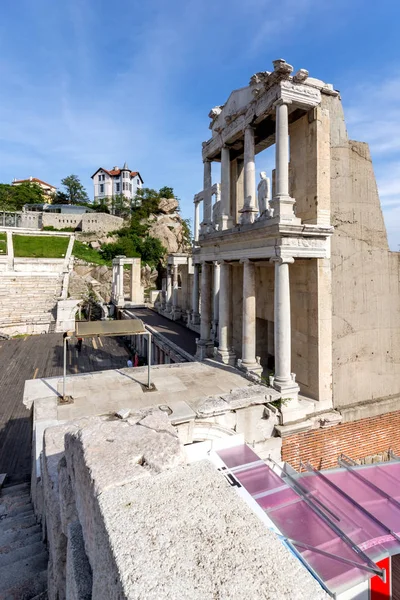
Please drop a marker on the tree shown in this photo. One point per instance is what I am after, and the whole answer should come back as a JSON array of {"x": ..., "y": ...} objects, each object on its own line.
[
  {"x": 74, "y": 190},
  {"x": 14, "y": 197},
  {"x": 166, "y": 192},
  {"x": 60, "y": 198},
  {"x": 120, "y": 206}
]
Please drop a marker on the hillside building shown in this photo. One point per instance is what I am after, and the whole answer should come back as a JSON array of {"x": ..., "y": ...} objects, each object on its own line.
[
  {"x": 47, "y": 189},
  {"x": 109, "y": 183}
]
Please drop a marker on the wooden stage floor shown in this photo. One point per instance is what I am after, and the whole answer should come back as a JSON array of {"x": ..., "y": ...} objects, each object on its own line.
[{"x": 33, "y": 357}]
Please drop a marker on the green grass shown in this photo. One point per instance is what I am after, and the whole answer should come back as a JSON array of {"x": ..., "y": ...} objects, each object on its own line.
[
  {"x": 3, "y": 243},
  {"x": 84, "y": 252},
  {"x": 45, "y": 246}
]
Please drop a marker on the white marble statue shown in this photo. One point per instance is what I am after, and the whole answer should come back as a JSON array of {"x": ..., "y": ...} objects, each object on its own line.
[{"x": 264, "y": 196}]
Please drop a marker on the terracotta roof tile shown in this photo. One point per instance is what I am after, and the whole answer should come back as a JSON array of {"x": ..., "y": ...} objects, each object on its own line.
[{"x": 34, "y": 180}]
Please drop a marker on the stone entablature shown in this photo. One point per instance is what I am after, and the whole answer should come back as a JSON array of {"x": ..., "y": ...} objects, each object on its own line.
[
  {"x": 253, "y": 104},
  {"x": 260, "y": 241}
]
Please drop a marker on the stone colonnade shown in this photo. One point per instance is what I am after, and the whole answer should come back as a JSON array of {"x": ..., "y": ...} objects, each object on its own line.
[
  {"x": 161, "y": 352},
  {"x": 283, "y": 213},
  {"x": 282, "y": 203},
  {"x": 216, "y": 318},
  {"x": 169, "y": 293}
]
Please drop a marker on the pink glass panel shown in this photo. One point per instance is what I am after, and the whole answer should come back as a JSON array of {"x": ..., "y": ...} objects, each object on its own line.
[{"x": 296, "y": 520}]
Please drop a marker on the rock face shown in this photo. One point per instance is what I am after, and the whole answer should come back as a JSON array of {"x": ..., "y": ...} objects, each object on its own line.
[
  {"x": 148, "y": 276},
  {"x": 170, "y": 231},
  {"x": 168, "y": 205}
]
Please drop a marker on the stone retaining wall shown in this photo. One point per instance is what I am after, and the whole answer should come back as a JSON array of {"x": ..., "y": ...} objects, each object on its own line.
[
  {"x": 127, "y": 518},
  {"x": 87, "y": 222}
]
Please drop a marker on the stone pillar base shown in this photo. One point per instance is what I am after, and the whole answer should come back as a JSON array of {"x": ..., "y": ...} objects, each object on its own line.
[
  {"x": 283, "y": 210},
  {"x": 288, "y": 388},
  {"x": 248, "y": 215},
  {"x": 205, "y": 349},
  {"x": 120, "y": 301},
  {"x": 227, "y": 357},
  {"x": 195, "y": 319},
  {"x": 255, "y": 368},
  {"x": 226, "y": 222},
  {"x": 176, "y": 313}
]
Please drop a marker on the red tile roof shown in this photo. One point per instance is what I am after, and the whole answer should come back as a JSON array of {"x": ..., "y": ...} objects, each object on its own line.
[
  {"x": 34, "y": 180},
  {"x": 116, "y": 172}
]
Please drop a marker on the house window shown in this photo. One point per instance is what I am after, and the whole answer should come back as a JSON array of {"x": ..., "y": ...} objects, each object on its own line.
[
  {"x": 130, "y": 187},
  {"x": 117, "y": 187},
  {"x": 102, "y": 188},
  {"x": 138, "y": 181}
]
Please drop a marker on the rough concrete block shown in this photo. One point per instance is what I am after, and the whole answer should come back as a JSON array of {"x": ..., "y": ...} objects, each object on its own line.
[
  {"x": 78, "y": 571},
  {"x": 189, "y": 527}
]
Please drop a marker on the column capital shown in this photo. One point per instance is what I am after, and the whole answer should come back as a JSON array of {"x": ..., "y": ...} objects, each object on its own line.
[
  {"x": 216, "y": 263},
  {"x": 207, "y": 160},
  {"x": 281, "y": 101},
  {"x": 247, "y": 261},
  {"x": 249, "y": 127},
  {"x": 289, "y": 260}
]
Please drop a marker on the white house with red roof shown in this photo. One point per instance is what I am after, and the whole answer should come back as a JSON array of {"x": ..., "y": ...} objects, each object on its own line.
[{"x": 108, "y": 183}]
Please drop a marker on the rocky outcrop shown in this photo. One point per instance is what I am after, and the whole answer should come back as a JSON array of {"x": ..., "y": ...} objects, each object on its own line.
[
  {"x": 148, "y": 276},
  {"x": 168, "y": 205},
  {"x": 170, "y": 230}
]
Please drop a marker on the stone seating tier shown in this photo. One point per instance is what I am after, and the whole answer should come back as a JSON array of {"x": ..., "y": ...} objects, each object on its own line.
[{"x": 28, "y": 302}]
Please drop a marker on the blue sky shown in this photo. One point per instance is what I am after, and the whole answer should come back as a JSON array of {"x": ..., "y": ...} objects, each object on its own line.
[{"x": 89, "y": 83}]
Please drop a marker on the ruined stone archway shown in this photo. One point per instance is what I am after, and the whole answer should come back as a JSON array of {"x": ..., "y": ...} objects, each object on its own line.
[{"x": 204, "y": 431}]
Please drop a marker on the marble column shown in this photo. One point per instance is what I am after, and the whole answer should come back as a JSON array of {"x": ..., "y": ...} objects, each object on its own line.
[
  {"x": 283, "y": 380},
  {"x": 163, "y": 294},
  {"x": 168, "y": 307},
  {"x": 114, "y": 283},
  {"x": 207, "y": 201},
  {"x": 225, "y": 353},
  {"x": 175, "y": 308},
  {"x": 195, "y": 316},
  {"x": 248, "y": 360},
  {"x": 196, "y": 220},
  {"x": 226, "y": 215},
  {"x": 216, "y": 290},
  {"x": 204, "y": 344},
  {"x": 282, "y": 204},
  {"x": 121, "y": 297},
  {"x": 249, "y": 209},
  {"x": 133, "y": 282}
]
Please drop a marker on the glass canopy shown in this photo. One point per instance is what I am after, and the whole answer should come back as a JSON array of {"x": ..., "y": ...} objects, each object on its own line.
[{"x": 340, "y": 522}]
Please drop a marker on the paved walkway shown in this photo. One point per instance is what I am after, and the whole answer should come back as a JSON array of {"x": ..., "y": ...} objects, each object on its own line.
[
  {"x": 35, "y": 357},
  {"x": 175, "y": 332}
]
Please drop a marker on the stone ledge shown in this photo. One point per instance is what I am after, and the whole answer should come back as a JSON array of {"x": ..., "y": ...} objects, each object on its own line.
[
  {"x": 370, "y": 408},
  {"x": 293, "y": 428}
]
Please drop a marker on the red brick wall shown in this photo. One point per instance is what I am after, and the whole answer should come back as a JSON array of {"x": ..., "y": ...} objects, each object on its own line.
[{"x": 358, "y": 439}]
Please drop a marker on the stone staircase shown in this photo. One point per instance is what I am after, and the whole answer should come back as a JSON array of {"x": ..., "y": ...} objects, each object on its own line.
[
  {"x": 23, "y": 555},
  {"x": 28, "y": 301}
]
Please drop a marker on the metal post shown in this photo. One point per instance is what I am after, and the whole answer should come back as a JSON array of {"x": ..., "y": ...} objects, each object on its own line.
[
  {"x": 148, "y": 360},
  {"x": 65, "y": 366}
]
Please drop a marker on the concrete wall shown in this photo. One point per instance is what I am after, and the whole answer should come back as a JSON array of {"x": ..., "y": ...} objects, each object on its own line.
[{"x": 365, "y": 277}]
